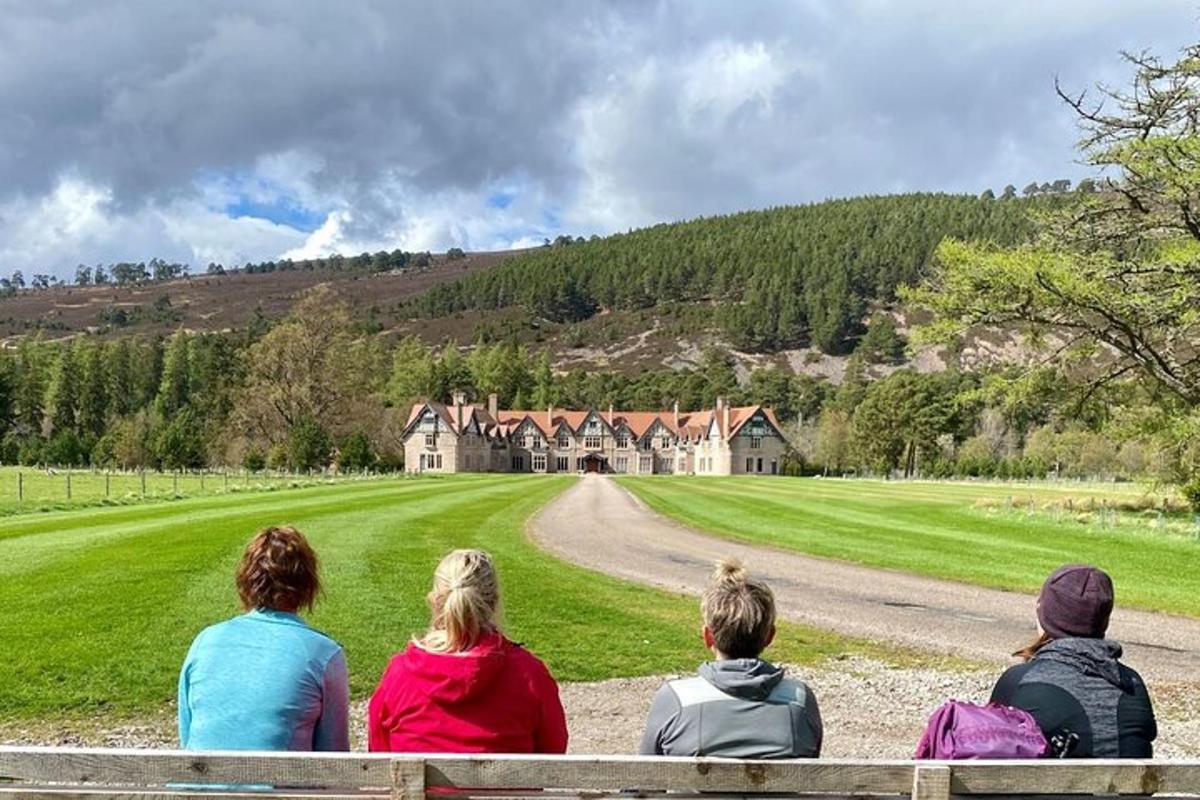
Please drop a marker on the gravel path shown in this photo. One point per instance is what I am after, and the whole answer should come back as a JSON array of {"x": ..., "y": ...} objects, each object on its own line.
[
  {"x": 870, "y": 710},
  {"x": 600, "y": 525}
]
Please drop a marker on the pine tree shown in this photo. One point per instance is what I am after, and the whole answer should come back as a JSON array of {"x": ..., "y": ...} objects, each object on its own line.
[
  {"x": 62, "y": 399},
  {"x": 93, "y": 395},
  {"x": 173, "y": 385}
]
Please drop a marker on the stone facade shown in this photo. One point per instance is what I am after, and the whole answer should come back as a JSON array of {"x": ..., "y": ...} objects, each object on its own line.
[{"x": 462, "y": 437}]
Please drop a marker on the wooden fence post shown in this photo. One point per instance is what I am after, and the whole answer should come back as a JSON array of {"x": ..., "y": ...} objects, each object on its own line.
[
  {"x": 20, "y": 486},
  {"x": 931, "y": 783},
  {"x": 68, "y": 484},
  {"x": 107, "y": 484},
  {"x": 408, "y": 779}
]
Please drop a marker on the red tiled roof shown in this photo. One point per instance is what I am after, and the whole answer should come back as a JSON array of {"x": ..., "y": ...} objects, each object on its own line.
[{"x": 691, "y": 424}]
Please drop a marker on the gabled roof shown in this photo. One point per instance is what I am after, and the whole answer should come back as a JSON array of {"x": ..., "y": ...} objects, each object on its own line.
[{"x": 693, "y": 425}]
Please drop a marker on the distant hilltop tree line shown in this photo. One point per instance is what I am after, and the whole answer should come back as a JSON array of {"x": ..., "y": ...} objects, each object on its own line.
[
  {"x": 157, "y": 270},
  {"x": 1035, "y": 189},
  {"x": 779, "y": 278}
]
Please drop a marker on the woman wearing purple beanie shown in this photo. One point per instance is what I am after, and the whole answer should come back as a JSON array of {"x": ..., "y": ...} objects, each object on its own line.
[{"x": 1087, "y": 703}]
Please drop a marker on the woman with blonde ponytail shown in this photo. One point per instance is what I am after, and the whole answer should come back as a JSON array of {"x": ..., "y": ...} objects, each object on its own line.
[{"x": 464, "y": 687}]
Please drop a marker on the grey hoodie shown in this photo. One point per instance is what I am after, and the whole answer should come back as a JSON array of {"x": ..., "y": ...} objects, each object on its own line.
[
  {"x": 1079, "y": 691},
  {"x": 741, "y": 708}
]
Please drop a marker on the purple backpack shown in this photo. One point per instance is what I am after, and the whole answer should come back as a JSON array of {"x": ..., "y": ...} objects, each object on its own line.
[{"x": 960, "y": 730}]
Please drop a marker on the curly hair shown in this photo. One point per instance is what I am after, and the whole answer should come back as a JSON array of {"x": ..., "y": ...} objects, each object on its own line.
[{"x": 278, "y": 571}]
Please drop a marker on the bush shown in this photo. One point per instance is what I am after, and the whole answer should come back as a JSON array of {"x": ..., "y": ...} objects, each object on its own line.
[
  {"x": 254, "y": 460},
  {"x": 355, "y": 453},
  {"x": 64, "y": 449},
  {"x": 1190, "y": 492},
  {"x": 309, "y": 445}
]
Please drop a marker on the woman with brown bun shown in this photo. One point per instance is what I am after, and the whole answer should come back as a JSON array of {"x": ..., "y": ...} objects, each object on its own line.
[
  {"x": 1087, "y": 703},
  {"x": 265, "y": 680}
]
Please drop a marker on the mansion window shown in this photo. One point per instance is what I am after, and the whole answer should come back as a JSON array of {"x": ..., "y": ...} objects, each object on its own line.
[
  {"x": 430, "y": 440},
  {"x": 562, "y": 464},
  {"x": 518, "y": 463},
  {"x": 647, "y": 444},
  {"x": 431, "y": 461},
  {"x": 622, "y": 464},
  {"x": 646, "y": 464},
  {"x": 592, "y": 442},
  {"x": 664, "y": 442},
  {"x": 622, "y": 441},
  {"x": 579, "y": 465},
  {"x": 755, "y": 442},
  {"x": 539, "y": 463},
  {"x": 538, "y": 444},
  {"x": 563, "y": 442},
  {"x": 749, "y": 465}
]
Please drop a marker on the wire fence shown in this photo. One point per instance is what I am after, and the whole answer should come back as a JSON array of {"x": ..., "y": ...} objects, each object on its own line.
[{"x": 23, "y": 488}]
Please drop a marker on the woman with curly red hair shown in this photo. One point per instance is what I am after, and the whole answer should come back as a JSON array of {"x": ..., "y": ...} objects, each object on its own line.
[{"x": 265, "y": 680}]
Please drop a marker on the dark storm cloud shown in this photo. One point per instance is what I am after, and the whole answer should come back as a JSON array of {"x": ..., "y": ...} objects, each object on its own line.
[
  {"x": 142, "y": 95},
  {"x": 139, "y": 122}
]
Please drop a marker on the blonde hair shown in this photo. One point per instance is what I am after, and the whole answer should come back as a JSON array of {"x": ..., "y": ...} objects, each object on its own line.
[
  {"x": 465, "y": 602},
  {"x": 739, "y": 610}
]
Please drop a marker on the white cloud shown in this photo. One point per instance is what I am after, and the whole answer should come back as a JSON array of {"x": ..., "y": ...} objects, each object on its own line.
[{"x": 78, "y": 222}]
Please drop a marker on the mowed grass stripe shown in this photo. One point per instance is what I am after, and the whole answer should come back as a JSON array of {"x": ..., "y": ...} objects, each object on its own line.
[
  {"x": 928, "y": 529},
  {"x": 103, "y": 628},
  {"x": 31, "y": 552}
]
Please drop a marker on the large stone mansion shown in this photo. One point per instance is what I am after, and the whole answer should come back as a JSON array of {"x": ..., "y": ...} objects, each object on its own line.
[{"x": 462, "y": 437}]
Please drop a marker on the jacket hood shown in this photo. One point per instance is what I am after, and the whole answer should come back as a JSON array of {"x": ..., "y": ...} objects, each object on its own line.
[
  {"x": 1097, "y": 657},
  {"x": 747, "y": 678},
  {"x": 457, "y": 677}
]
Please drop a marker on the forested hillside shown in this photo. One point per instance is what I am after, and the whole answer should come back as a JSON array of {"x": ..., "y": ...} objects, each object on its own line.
[{"x": 778, "y": 278}]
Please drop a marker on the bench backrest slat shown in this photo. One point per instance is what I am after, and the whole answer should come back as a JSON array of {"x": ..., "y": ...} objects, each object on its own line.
[{"x": 62, "y": 772}]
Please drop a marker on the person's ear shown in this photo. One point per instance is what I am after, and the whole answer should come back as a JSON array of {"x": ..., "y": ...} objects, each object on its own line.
[
  {"x": 770, "y": 638},
  {"x": 710, "y": 641}
]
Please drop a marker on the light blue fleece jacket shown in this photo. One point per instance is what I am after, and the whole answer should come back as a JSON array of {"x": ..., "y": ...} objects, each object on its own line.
[{"x": 264, "y": 681}]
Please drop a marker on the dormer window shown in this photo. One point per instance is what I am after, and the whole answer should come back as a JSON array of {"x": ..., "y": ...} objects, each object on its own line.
[
  {"x": 430, "y": 441},
  {"x": 564, "y": 441}
]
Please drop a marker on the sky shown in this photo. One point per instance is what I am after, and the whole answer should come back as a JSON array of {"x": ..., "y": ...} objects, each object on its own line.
[{"x": 243, "y": 130}]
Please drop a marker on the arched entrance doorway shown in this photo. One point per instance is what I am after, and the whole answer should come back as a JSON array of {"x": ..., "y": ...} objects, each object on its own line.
[{"x": 594, "y": 462}]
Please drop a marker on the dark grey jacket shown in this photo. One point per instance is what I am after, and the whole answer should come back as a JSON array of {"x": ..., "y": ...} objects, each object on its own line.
[
  {"x": 742, "y": 708},
  {"x": 1079, "y": 687}
]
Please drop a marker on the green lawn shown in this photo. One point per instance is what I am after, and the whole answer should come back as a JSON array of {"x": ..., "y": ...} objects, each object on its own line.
[
  {"x": 98, "y": 606},
  {"x": 961, "y": 531}
]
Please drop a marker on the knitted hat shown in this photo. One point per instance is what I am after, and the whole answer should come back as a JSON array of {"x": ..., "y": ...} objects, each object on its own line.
[{"x": 1076, "y": 601}]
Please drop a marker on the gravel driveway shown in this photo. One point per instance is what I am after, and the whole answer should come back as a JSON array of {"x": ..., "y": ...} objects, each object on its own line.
[{"x": 600, "y": 525}]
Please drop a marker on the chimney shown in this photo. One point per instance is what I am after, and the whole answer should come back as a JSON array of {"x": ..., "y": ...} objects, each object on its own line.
[
  {"x": 677, "y": 415},
  {"x": 725, "y": 419},
  {"x": 459, "y": 401},
  {"x": 610, "y": 415},
  {"x": 549, "y": 419},
  {"x": 494, "y": 406}
]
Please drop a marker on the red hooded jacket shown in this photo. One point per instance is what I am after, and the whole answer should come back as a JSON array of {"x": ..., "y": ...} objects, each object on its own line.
[{"x": 496, "y": 697}]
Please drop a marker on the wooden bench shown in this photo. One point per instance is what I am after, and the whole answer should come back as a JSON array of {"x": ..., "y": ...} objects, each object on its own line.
[{"x": 37, "y": 773}]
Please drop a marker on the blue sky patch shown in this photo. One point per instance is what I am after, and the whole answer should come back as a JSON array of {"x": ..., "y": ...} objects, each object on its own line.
[
  {"x": 501, "y": 200},
  {"x": 281, "y": 211}
]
